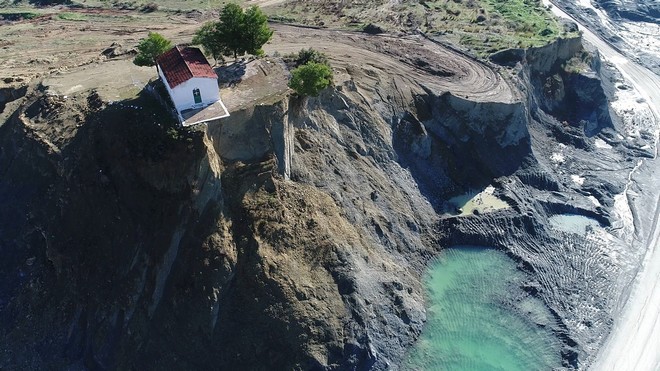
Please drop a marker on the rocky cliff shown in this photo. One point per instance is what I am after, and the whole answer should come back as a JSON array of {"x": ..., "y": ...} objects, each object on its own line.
[
  {"x": 634, "y": 10},
  {"x": 293, "y": 235},
  {"x": 137, "y": 247}
]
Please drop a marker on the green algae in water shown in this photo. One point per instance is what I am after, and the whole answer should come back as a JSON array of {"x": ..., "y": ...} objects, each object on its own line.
[{"x": 475, "y": 321}]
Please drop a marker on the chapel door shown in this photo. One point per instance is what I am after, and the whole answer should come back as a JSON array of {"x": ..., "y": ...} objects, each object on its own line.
[{"x": 197, "y": 95}]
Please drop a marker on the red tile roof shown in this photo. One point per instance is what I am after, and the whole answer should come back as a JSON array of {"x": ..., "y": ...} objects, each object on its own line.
[{"x": 181, "y": 64}]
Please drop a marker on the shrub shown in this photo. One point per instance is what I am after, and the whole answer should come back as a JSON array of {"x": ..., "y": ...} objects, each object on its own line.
[
  {"x": 309, "y": 79},
  {"x": 373, "y": 29},
  {"x": 310, "y": 55},
  {"x": 172, "y": 134},
  {"x": 148, "y": 8}
]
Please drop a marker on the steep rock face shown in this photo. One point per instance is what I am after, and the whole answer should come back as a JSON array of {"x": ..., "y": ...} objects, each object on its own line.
[
  {"x": 154, "y": 249},
  {"x": 543, "y": 60},
  {"x": 343, "y": 148},
  {"x": 139, "y": 247},
  {"x": 103, "y": 211},
  {"x": 566, "y": 85},
  {"x": 496, "y": 132},
  {"x": 469, "y": 144},
  {"x": 634, "y": 10},
  {"x": 10, "y": 93},
  {"x": 565, "y": 82}
]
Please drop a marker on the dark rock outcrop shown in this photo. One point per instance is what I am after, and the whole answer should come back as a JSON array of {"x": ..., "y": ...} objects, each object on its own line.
[
  {"x": 634, "y": 10},
  {"x": 11, "y": 93}
]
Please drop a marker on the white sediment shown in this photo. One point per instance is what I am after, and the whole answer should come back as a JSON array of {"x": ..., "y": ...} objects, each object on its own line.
[{"x": 634, "y": 342}]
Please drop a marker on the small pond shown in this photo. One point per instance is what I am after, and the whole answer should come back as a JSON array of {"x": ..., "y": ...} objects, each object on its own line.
[
  {"x": 480, "y": 319},
  {"x": 573, "y": 223},
  {"x": 483, "y": 202}
]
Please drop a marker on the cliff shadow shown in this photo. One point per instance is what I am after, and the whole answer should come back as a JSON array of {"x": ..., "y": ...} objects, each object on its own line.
[
  {"x": 104, "y": 187},
  {"x": 566, "y": 83},
  {"x": 454, "y": 147},
  {"x": 231, "y": 74}
]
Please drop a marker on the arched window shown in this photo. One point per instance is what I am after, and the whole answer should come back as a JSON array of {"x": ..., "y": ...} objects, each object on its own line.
[{"x": 197, "y": 95}]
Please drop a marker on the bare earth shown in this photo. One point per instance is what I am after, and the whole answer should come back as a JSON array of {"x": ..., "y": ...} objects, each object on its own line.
[
  {"x": 71, "y": 51},
  {"x": 410, "y": 60}
]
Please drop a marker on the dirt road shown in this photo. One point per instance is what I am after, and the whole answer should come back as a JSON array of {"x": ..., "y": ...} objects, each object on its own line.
[
  {"x": 635, "y": 338},
  {"x": 264, "y": 3}
]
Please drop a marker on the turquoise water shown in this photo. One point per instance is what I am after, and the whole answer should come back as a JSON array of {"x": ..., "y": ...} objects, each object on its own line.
[{"x": 474, "y": 320}]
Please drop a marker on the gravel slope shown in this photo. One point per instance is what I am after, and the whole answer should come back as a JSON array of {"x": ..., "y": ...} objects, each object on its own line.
[{"x": 635, "y": 339}]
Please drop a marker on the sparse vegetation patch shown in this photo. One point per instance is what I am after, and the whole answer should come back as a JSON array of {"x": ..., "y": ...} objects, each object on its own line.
[
  {"x": 17, "y": 16},
  {"x": 311, "y": 56},
  {"x": 481, "y": 26}
]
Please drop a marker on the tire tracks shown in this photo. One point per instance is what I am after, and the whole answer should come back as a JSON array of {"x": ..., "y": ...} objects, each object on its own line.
[{"x": 414, "y": 59}]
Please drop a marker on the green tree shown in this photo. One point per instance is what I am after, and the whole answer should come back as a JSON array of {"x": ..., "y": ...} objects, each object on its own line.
[
  {"x": 209, "y": 38},
  {"x": 230, "y": 29},
  {"x": 256, "y": 32},
  {"x": 151, "y": 48},
  {"x": 236, "y": 32},
  {"x": 311, "y": 78}
]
